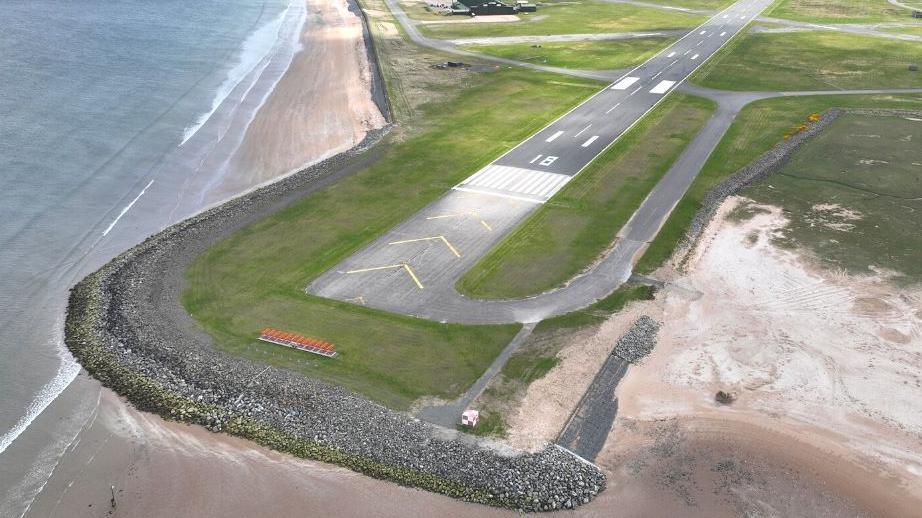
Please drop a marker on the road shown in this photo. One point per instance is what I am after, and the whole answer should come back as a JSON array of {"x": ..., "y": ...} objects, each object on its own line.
[{"x": 540, "y": 166}]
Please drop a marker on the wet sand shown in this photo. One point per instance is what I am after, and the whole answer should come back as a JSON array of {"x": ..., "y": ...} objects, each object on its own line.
[{"x": 166, "y": 469}]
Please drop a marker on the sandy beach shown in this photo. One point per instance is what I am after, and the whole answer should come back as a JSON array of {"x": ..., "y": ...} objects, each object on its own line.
[
  {"x": 322, "y": 105},
  {"x": 823, "y": 365}
]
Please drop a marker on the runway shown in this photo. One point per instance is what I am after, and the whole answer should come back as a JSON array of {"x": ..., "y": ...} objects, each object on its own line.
[
  {"x": 412, "y": 269},
  {"x": 544, "y": 163}
]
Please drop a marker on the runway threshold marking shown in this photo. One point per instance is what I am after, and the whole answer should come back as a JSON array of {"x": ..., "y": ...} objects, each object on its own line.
[
  {"x": 404, "y": 266},
  {"x": 431, "y": 238}
]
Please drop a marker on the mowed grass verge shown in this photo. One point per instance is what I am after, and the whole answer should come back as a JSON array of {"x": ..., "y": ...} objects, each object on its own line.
[
  {"x": 567, "y": 17},
  {"x": 853, "y": 196},
  {"x": 256, "y": 277},
  {"x": 757, "y": 128},
  {"x": 814, "y": 60},
  {"x": 567, "y": 234},
  {"x": 584, "y": 55},
  {"x": 838, "y": 11}
]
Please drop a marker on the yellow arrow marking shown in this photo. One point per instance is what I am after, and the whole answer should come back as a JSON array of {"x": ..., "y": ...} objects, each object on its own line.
[
  {"x": 405, "y": 266},
  {"x": 442, "y": 238}
]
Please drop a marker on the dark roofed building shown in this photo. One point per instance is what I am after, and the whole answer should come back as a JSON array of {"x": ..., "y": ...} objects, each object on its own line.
[{"x": 489, "y": 7}]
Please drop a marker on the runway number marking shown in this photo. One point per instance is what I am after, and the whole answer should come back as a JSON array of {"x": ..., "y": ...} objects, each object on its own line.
[
  {"x": 440, "y": 238},
  {"x": 404, "y": 266},
  {"x": 548, "y": 161},
  {"x": 533, "y": 160}
]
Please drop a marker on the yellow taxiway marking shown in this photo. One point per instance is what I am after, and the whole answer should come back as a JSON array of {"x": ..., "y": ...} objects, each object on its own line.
[
  {"x": 405, "y": 266},
  {"x": 442, "y": 238},
  {"x": 460, "y": 214}
]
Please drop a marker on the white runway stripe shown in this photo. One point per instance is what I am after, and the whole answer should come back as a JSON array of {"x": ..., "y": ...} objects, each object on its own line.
[
  {"x": 515, "y": 182},
  {"x": 590, "y": 141},
  {"x": 625, "y": 83},
  {"x": 554, "y": 136},
  {"x": 662, "y": 87}
]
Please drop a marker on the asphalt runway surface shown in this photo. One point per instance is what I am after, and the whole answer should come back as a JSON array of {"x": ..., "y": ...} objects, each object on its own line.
[{"x": 541, "y": 165}]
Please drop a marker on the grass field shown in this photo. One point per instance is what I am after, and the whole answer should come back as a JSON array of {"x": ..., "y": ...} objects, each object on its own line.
[
  {"x": 567, "y": 17},
  {"x": 567, "y": 234},
  {"x": 757, "y": 129},
  {"x": 917, "y": 30},
  {"x": 838, "y": 11},
  {"x": 697, "y": 4},
  {"x": 853, "y": 196},
  {"x": 585, "y": 55},
  {"x": 812, "y": 61},
  {"x": 417, "y": 10},
  {"x": 256, "y": 277}
]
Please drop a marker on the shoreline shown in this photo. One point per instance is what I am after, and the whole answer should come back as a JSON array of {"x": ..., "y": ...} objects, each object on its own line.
[
  {"x": 287, "y": 89},
  {"x": 126, "y": 326}
]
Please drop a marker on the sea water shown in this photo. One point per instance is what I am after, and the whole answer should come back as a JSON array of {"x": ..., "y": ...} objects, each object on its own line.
[{"x": 109, "y": 112}]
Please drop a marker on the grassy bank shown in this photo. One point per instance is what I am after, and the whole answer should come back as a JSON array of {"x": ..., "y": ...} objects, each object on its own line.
[
  {"x": 256, "y": 277},
  {"x": 567, "y": 17},
  {"x": 566, "y": 235},
  {"x": 757, "y": 129},
  {"x": 853, "y": 196},
  {"x": 584, "y": 55},
  {"x": 813, "y": 60}
]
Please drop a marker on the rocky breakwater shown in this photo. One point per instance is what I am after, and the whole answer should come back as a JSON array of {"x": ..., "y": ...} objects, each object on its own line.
[{"x": 126, "y": 326}]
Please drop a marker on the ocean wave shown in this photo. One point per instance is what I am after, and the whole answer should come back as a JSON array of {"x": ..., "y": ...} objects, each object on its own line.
[
  {"x": 67, "y": 372},
  {"x": 253, "y": 53}
]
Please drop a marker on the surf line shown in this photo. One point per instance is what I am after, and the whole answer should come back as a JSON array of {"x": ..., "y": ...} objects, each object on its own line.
[{"x": 127, "y": 208}]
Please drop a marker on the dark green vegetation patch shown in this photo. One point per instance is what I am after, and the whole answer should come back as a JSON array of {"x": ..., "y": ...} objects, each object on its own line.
[
  {"x": 853, "y": 195},
  {"x": 756, "y": 129}
]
